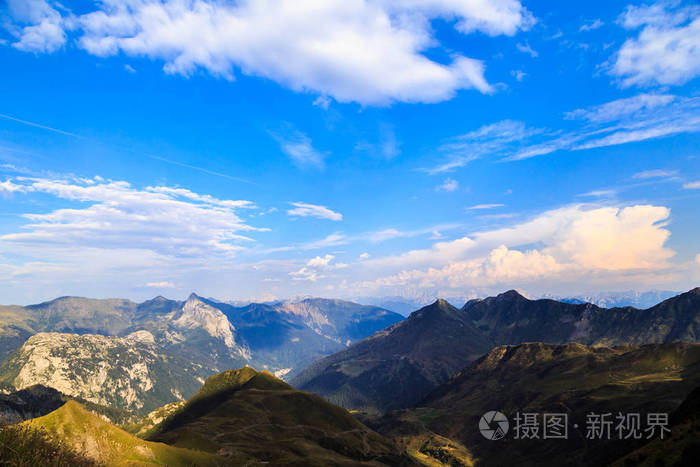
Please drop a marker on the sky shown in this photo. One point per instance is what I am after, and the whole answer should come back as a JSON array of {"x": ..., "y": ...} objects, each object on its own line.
[{"x": 347, "y": 148}]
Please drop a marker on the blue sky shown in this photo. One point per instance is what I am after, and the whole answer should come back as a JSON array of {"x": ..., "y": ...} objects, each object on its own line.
[{"x": 272, "y": 149}]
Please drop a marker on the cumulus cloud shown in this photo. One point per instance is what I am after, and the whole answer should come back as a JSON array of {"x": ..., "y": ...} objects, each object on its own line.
[
  {"x": 39, "y": 26},
  {"x": 366, "y": 51},
  {"x": 313, "y": 210},
  {"x": 574, "y": 243},
  {"x": 666, "y": 50},
  {"x": 316, "y": 268}
]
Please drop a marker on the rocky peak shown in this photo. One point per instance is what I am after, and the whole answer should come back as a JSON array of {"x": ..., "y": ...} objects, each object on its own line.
[{"x": 197, "y": 314}]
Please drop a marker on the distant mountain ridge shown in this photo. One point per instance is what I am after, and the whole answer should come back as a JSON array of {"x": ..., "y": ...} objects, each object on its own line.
[
  {"x": 510, "y": 318},
  {"x": 364, "y": 376},
  {"x": 169, "y": 347}
]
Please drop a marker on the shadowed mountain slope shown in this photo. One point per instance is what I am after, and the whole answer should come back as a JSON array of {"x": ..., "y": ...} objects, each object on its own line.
[
  {"x": 398, "y": 366},
  {"x": 546, "y": 378},
  {"x": 402, "y": 364},
  {"x": 253, "y": 417},
  {"x": 36, "y": 401},
  {"x": 510, "y": 318}
]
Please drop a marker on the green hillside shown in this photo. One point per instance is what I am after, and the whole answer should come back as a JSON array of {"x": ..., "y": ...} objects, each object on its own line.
[
  {"x": 91, "y": 436},
  {"x": 248, "y": 416}
]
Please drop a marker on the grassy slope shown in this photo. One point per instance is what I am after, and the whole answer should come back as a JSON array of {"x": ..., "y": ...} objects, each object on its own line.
[
  {"x": 545, "y": 378},
  {"x": 255, "y": 417},
  {"x": 89, "y": 434}
]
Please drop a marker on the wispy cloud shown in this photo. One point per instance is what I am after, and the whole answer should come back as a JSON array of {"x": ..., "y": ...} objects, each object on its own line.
[
  {"x": 525, "y": 48},
  {"x": 161, "y": 285},
  {"x": 627, "y": 120},
  {"x": 692, "y": 185},
  {"x": 38, "y": 125},
  {"x": 655, "y": 173},
  {"x": 599, "y": 193},
  {"x": 501, "y": 138},
  {"x": 313, "y": 210},
  {"x": 149, "y": 156},
  {"x": 595, "y": 24},
  {"x": 297, "y": 146},
  {"x": 519, "y": 75},
  {"x": 448, "y": 185},
  {"x": 484, "y": 206}
]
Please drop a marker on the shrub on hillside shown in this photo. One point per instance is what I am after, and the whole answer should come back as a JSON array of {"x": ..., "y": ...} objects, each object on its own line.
[{"x": 23, "y": 446}]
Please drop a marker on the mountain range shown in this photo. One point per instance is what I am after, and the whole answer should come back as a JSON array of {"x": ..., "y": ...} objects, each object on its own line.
[
  {"x": 150, "y": 383},
  {"x": 439, "y": 340},
  {"x": 572, "y": 379},
  {"x": 139, "y": 356}
]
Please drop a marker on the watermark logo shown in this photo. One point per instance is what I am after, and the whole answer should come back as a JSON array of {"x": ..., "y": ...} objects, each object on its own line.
[{"x": 493, "y": 425}]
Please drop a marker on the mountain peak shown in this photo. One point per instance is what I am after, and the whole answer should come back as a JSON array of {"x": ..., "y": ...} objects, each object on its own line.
[
  {"x": 510, "y": 295},
  {"x": 193, "y": 296}
]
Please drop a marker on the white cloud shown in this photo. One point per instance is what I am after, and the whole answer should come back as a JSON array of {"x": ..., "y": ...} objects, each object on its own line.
[
  {"x": 113, "y": 215},
  {"x": 7, "y": 187},
  {"x": 297, "y": 146},
  {"x": 448, "y": 185},
  {"x": 622, "y": 108},
  {"x": 655, "y": 173},
  {"x": 627, "y": 120},
  {"x": 366, "y": 51},
  {"x": 494, "y": 139},
  {"x": 666, "y": 50},
  {"x": 386, "y": 234},
  {"x": 39, "y": 28},
  {"x": 160, "y": 285},
  {"x": 323, "y": 102},
  {"x": 316, "y": 268},
  {"x": 129, "y": 68},
  {"x": 595, "y": 24},
  {"x": 387, "y": 145},
  {"x": 573, "y": 244},
  {"x": 367, "y": 256},
  {"x": 526, "y": 49},
  {"x": 484, "y": 206},
  {"x": 519, "y": 75},
  {"x": 600, "y": 193},
  {"x": 692, "y": 185},
  {"x": 313, "y": 210}
]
